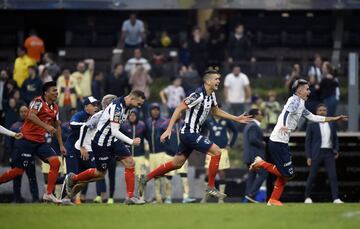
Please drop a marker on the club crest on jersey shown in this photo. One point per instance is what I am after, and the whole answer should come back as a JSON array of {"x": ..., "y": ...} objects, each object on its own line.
[
  {"x": 192, "y": 98},
  {"x": 104, "y": 165}
]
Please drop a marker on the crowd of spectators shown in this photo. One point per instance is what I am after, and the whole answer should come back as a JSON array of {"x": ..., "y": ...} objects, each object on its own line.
[{"x": 34, "y": 66}]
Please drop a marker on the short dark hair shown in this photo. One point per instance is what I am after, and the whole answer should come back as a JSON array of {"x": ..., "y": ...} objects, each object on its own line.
[
  {"x": 321, "y": 105},
  {"x": 117, "y": 65},
  {"x": 253, "y": 112},
  {"x": 48, "y": 85},
  {"x": 298, "y": 83},
  {"x": 210, "y": 71},
  {"x": 137, "y": 94}
]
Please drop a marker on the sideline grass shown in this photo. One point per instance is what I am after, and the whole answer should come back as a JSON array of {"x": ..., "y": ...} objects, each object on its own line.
[{"x": 182, "y": 216}]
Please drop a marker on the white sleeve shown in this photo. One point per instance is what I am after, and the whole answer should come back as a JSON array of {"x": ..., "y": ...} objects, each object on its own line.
[
  {"x": 94, "y": 120},
  {"x": 124, "y": 26},
  {"x": 226, "y": 81},
  {"x": 146, "y": 65},
  {"x": 314, "y": 118},
  {"x": 7, "y": 132},
  {"x": 246, "y": 80},
  {"x": 142, "y": 27},
  {"x": 311, "y": 71},
  {"x": 115, "y": 113},
  {"x": 129, "y": 65},
  {"x": 116, "y": 133}
]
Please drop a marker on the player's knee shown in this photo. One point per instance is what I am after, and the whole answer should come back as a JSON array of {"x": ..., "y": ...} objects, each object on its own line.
[
  {"x": 177, "y": 164},
  {"x": 100, "y": 174},
  {"x": 54, "y": 163},
  {"x": 215, "y": 151},
  {"x": 18, "y": 171},
  {"x": 129, "y": 162}
]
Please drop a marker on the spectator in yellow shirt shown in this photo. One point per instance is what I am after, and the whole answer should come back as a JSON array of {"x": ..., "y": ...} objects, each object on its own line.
[
  {"x": 84, "y": 75},
  {"x": 69, "y": 92},
  {"x": 21, "y": 66}
]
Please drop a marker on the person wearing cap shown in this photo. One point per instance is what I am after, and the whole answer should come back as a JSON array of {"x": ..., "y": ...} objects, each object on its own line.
[
  {"x": 156, "y": 148},
  {"x": 287, "y": 122},
  {"x": 74, "y": 161},
  {"x": 83, "y": 144},
  {"x": 109, "y": 142},
  {"x": 135, "y": 128}
]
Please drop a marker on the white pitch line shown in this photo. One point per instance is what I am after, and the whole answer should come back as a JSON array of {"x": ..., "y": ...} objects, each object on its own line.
[{"x": 351, "y": 214}]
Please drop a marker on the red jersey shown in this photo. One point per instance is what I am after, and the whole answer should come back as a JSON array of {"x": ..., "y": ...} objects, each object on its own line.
[{"x": 48, "y": 113}]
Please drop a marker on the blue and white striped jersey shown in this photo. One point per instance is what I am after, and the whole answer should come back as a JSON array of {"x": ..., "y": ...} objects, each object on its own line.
[
  {"x": 199, "y": 104},
  {"x": 115, "y": 112}
]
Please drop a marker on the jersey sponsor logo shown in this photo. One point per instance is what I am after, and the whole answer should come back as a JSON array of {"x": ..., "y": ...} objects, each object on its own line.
[
  {"x": 192, "y": 98},
  {"x": 117, "y": 115},
  {"x": 37, "y": 104},
  {"x": 103, "y": 158},
  {"x": 287, "y": 164},
  {"x": 26, "y": 155}
]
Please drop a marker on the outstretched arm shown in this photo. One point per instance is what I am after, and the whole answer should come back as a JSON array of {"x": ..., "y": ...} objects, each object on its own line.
[
  {"x": 222, "y": 114},
  {"x": 318, "y": 118}
]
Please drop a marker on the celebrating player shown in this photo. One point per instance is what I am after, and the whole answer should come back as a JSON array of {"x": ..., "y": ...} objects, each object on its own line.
[
  {"x": 74, "y": 161},
  {"x": 106, "y": 144},
  {"x": 198, "y": 105},
  {"x": 279, "y": 138},
  {"x": 42, "y": 117}
]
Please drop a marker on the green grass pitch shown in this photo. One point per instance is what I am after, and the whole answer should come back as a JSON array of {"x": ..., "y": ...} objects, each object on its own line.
[{"x": 220, "y": 216}]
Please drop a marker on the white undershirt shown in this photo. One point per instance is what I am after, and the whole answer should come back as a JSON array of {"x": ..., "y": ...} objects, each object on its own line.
[{"x": 325, "y": 135}]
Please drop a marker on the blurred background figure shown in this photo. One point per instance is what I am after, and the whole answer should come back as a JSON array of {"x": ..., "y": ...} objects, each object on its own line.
[
  {"x": 322, "y": 147},
  {"x": 254, "y": 145}
]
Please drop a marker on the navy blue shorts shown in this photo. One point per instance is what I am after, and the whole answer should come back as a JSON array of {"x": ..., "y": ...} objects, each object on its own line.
[
  {"x": 280, "y": 153},
  {"x": 24, "y": 151},
  {"x": 118, "y": 150},
  {"x": 193, "y": 141},
  {"x": 74, "y": 162}
]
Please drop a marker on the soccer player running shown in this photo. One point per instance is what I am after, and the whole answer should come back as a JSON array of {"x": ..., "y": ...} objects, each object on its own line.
[
  {"x": 198, "y": 105},
  {"x": 279, "y": 138},
  {"x": 74, "y": 160},
  {"x": 42, "y": 117},
  {"x": 108, "y": 142},
  {"x": 83, "y": 145}
]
